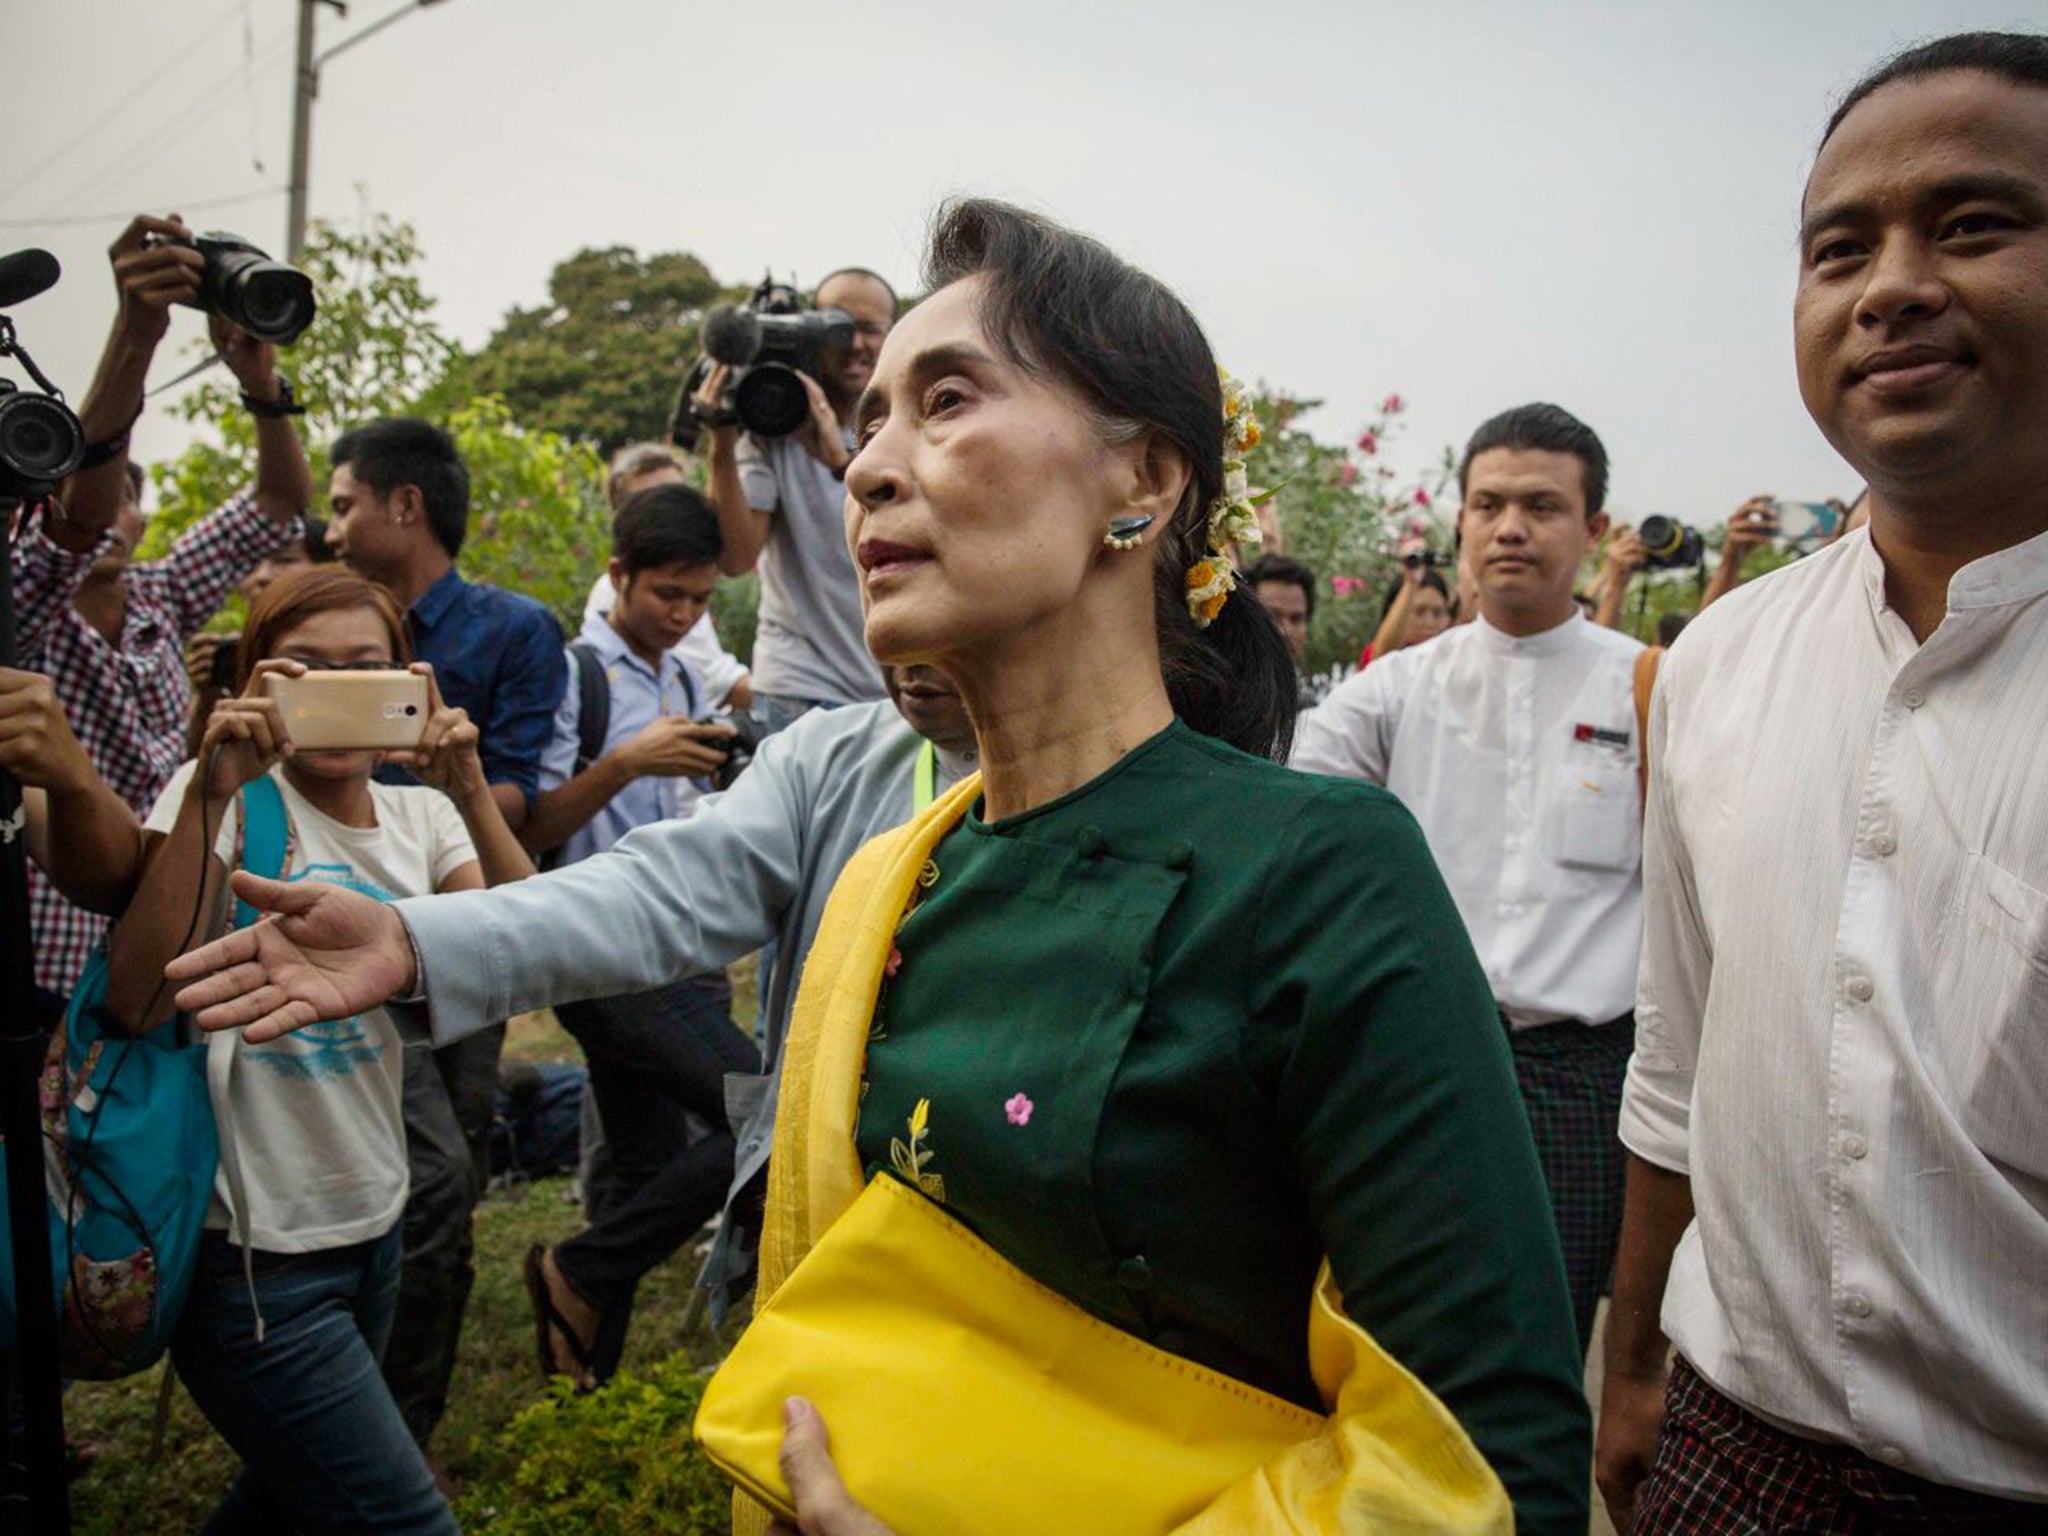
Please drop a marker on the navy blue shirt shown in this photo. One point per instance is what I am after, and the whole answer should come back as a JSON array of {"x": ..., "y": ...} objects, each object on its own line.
[{"x": 499, "y": 656}]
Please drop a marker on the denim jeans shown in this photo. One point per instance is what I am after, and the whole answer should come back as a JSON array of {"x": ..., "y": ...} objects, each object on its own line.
[
  {"x": 322, "y": 1445},
  {"x": 654, "y": 1057}
]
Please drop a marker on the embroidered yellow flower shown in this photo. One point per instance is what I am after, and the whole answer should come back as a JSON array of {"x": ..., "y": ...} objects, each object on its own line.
[{"x": 909, "y": 1160}]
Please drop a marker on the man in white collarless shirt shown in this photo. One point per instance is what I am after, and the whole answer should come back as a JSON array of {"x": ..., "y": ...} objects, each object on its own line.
[
  {"x": 1838, "y": 1110},
  {"x": 1513, "y": 739}
]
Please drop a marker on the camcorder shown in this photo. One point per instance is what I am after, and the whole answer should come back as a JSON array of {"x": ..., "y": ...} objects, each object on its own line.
[
  {"x": 765, "y": 343},
  {"x": 739, "y": 749},
  {"x": 1670, "y": 544},
  {"x": 41, "y": 441},
  {"x": 1425, "y": 559},
  {"x": 271, "y": 301}
]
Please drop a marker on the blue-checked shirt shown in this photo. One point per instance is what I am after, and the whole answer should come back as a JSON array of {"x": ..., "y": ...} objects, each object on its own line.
[
  {"x": 499, "y": 656},
  {"x": 640, "y": 695}
]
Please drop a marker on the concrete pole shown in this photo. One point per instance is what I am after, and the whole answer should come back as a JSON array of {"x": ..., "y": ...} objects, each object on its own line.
[{"x": 305, "y": 85}]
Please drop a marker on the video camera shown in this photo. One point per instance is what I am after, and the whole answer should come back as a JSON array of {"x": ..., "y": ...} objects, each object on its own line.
[
  {"x": 766, "y": 343},
  {"x": 41, "y": 441},
  {"x": 1670, "y": 544},
  {"x": 271, "y": 301}
]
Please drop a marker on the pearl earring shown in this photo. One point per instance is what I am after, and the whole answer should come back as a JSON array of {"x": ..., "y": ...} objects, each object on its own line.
[{"x": 1123, "y": 531}]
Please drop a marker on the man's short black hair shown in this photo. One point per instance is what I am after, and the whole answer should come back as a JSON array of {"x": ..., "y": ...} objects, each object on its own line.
[
  {"x": 867, "y": 272},
  {"x": 403, "y": 450},
  {"x": 2020, "y": 57},
  {"x": 666, "y": 525},
  {"x": 1546, "y": 429},
  {"x": 1283, "y": 568}
]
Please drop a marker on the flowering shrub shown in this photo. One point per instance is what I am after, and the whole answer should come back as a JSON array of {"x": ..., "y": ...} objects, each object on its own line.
[{"x": 1340, "y": 511}]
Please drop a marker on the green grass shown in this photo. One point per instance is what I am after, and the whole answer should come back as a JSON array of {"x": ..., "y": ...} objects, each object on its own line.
[{"x": 496, "y": 1374}]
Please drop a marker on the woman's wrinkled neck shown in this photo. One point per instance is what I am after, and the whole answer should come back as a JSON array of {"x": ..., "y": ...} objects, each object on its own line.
[{"x": 1060, "y": 705}]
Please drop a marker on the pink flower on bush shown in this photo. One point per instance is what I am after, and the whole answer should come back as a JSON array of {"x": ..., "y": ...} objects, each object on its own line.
[
  {"x": 1421, "y": 497},
  {"x": 1017, "y": 1109},
  {"x": 1347, "y": 474},
  {"x": 1393, "y": 405},
  {"x": 1345, "y": 586},
  {"x": 1368, "y": 442}
]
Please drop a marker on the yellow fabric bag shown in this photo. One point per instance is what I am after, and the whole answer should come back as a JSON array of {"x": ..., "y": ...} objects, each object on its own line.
[{"x": 971, "y": 1398}]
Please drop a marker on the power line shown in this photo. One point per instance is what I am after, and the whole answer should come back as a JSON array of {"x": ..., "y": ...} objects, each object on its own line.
[
  {"x": 129, "y": 213},
  {"x": 154, "y": 141},
  {"x": 131, "y": 97}
]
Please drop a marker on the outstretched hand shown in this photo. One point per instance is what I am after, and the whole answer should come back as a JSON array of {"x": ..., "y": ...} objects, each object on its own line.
[{"x": 321, "y": 953}]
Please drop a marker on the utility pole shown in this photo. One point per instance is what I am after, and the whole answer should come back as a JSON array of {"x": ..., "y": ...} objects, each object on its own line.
[{"x": 305, "y": 86}]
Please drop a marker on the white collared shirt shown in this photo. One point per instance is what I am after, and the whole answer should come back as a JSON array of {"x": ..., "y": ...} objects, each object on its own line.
[
  {"x": 1518, "y": 756},
  {"x": 1842, "y": 1033}
]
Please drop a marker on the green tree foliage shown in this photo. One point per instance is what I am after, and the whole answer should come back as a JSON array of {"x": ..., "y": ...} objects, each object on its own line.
[
  {"x": 1340, "y": 511},
  {"x": 602, "y": 359},
  {"x": 538, "y": 520}
]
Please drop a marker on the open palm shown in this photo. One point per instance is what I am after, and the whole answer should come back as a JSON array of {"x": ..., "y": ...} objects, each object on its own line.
[{"x": 320, "y": 953}]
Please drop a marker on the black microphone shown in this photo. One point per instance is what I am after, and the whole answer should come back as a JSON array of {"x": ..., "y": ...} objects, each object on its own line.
[
  {"x": 732, "y": 335},
  {"x": 26, "y": 274}
]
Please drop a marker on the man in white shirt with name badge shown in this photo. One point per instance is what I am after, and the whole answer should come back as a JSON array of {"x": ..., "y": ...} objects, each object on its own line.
[
  {"x": 1838, "y": 1110},
  {"x": 1514, "y": 740}
]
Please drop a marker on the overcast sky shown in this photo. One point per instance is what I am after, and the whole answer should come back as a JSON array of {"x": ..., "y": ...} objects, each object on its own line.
[{"x": 1475, "y": 204}]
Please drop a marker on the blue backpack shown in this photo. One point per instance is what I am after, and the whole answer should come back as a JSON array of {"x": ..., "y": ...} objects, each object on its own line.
[{"x": 129, "y": 1157}]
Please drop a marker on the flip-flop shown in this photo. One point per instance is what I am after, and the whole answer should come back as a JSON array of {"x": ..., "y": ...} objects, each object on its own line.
[{"x": 547, "y": 1322}]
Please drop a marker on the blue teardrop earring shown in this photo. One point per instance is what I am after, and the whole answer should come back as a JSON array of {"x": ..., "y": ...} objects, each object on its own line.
[{"x": 1123, "y": 531}]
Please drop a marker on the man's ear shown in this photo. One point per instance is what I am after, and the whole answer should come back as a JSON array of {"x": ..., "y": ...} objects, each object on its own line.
[
  {"x": 1597, "y": 525},
  {"x": 406, "y": 506},
  {"x": 616, "y": 569}
]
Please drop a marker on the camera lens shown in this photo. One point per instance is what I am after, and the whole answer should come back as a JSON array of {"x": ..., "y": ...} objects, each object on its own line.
[
  {"x": 770, "y": 401},
  {"x": 40, "y": 439},
  {"x": 1662, "y": 536},
  {"x": 275, "y": 303}
]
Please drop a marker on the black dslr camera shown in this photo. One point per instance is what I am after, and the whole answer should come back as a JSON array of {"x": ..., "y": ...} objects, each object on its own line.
[
  {"x": 271, "y": 301},
  {"x": 739, "y": 751},
  {"x": 1670, "y": 544},
  {"x": 766, "y": 342}
]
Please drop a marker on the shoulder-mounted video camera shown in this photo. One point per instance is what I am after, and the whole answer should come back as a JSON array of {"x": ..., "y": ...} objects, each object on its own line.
[{"x": 765, "y": 342}]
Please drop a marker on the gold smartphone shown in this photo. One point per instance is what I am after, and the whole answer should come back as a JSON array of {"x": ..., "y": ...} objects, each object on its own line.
[{"x": 351, "y": 711}]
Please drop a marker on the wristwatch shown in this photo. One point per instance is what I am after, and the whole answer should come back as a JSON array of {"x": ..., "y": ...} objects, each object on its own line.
[{"x": 286, "y": 404}]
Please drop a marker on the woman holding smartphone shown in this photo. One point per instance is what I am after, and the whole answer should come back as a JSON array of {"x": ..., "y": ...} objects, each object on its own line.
[{"x": 281, "y": 1337}]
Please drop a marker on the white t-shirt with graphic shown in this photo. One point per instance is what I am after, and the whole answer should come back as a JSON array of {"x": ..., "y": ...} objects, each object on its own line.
[{"x": 315, "y": 1117}]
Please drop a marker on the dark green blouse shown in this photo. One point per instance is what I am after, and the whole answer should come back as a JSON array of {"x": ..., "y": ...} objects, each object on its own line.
[{"x": 1192, "y": 1026}]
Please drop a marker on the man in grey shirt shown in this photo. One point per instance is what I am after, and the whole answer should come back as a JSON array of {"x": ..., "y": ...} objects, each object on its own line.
[{"x": 780, "y": 503}]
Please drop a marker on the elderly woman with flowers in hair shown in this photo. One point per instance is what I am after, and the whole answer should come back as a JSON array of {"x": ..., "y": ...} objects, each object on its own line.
[{"x": 1166, "y": 1026}]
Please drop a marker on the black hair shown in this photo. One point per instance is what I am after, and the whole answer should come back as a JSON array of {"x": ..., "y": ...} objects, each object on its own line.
[
  {"x": 1429, "y": 578},
  {"x": 1059, "y": 303},
  {"x": 403, "y": 450},
  {"x": 1547, "y": 429},
  {"x": 314, "y": 531},
  {"x": 666, "y": 525},
  {"x": 867, "y": 272},
  {"x": 1283, "y": 568},
  {"x": 1670, "y": 626},
  {"x": 2019, "y": 57}
]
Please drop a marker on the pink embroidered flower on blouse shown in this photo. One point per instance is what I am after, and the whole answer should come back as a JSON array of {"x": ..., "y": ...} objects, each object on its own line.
[
  {"x": 1018, "y": 1109},
  {"x": 895, "y": 962}
]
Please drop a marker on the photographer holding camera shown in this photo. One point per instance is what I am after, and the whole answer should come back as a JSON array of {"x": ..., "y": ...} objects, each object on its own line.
[
  {"x": 110, "y": 634},
  {"x": 779, "y": 502},
  {"x": 1418, "y": 603},
  {"x": 1663, "y": 543}
]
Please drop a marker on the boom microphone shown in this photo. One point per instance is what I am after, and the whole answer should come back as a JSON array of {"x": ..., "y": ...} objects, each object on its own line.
[
  {"x": 732, "y": 335},
  {"x": 26, "y": 274}
]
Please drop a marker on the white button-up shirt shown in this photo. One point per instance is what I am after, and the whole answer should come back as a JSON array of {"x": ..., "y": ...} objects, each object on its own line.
[
  {"x": 1519, "y": 758},
  {"x": 1842, "y": 1032}
]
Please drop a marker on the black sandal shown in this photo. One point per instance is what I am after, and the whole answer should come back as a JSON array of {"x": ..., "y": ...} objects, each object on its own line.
[{"x": 547, "y": 1322}]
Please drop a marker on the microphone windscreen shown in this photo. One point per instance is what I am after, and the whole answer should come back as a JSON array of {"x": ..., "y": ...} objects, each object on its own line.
[
  {"x": 26, "y": 274},
  {"x": 732, "y": 335}
]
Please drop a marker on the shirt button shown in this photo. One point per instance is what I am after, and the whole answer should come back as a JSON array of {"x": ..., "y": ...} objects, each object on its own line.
[
  {"x": 1892, "y": 1454},
  {"x": 1855, "y": 1146},
  {"x": 1884, "y": 845},
  {"x": 1861, "y": 988},
  {"x": 1857, "y": 1304},
  {"x": 1134, "y": 1274},
  {"x": 1913, "y": 698}
]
